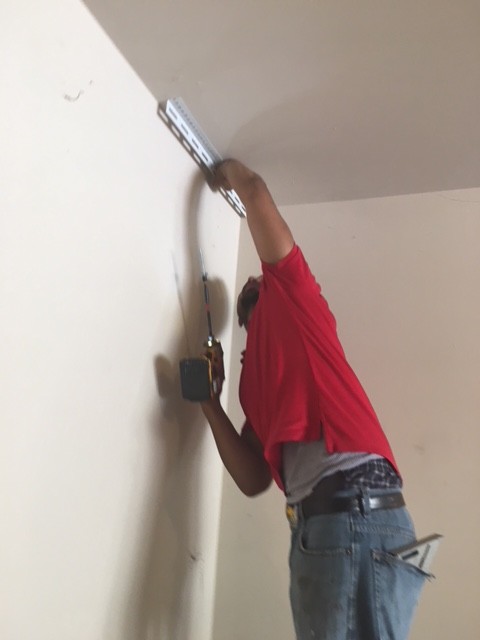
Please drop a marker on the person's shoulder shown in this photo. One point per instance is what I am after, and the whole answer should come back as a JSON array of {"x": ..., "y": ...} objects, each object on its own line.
[
  {"x": 293, "y": 267},
  {"x": 293, "y": 257}
]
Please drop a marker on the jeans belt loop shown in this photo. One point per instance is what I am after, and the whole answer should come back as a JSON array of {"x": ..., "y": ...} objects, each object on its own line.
[{"x": 364, "y": 502}]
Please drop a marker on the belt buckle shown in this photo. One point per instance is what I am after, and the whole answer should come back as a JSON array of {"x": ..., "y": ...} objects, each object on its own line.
[{"x": 291, "y": 513}]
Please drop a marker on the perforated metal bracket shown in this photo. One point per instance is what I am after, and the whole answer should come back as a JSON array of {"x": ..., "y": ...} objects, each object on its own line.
[{"x": 182, "y": 124}]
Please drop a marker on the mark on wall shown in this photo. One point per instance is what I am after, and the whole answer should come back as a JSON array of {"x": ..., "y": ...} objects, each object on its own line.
[
  {"x": 74, "y": 98},
  {"x": 420, "y": 448}
]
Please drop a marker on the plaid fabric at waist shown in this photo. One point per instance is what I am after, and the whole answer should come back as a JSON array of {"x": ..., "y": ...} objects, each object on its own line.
[{"x": 374, "y": 474}]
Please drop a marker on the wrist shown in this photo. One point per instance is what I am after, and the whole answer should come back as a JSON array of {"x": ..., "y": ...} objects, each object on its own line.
[
  {"x": 238, "y": 175},
  {"x": 211, "y": 406}
]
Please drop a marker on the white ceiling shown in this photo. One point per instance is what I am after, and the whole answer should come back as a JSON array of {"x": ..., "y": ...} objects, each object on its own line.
[{"x": 327, "y": 99}]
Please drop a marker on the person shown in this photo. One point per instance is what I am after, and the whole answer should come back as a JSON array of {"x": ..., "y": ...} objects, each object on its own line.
[{"x": 311, "y": 428}]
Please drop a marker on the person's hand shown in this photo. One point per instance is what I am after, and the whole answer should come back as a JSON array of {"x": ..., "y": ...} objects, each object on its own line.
[
  {"x": 214, "y": 353},
  {"x": 218, "y": 375},
  {"x": 219, "y": 179},
  {"x": 211, "y": 406}
]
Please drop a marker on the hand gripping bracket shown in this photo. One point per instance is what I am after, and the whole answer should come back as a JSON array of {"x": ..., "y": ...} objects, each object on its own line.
[{"x": 182, "y": 124}]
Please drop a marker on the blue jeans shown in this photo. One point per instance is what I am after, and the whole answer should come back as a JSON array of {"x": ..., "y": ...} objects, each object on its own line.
[{"x": 344, "y": 585}]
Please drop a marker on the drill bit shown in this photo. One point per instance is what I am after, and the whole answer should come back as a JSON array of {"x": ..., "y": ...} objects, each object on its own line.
[{"x": 207, "y": 299}]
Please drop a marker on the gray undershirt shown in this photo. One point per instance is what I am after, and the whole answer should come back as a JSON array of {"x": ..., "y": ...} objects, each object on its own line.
[{"x": 306, "y": 463}]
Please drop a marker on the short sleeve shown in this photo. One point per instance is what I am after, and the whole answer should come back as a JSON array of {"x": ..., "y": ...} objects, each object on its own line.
[{"x": 291, "y": 271}]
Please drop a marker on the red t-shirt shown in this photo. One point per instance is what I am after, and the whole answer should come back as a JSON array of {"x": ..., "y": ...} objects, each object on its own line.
[{"x": 296, "y": 384}]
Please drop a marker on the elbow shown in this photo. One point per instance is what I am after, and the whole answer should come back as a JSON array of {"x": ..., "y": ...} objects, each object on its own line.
[
  {"x": 253, "y": 493},
  {"x": 260, "y": 485}
]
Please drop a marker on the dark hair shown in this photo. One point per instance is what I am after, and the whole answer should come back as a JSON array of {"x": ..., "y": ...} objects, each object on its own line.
[{"x": 245, "y": 303}]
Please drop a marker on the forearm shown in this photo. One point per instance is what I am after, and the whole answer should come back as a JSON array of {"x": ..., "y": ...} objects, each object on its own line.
[
  {"x": 271, "y": 235},
  {"x": 246, "y": 465}
]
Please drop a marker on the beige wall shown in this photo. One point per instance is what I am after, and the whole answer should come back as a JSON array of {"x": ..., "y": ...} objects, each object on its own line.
[
  {"x": 402, "y": 276},
  {"x": 109, "y": 482}
]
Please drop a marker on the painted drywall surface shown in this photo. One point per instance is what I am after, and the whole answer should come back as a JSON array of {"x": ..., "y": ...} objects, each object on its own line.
[
  {"x": 110, "y": 484},
  {"x": 402, "y": 276},
  {"x": 306, "y": 90}
]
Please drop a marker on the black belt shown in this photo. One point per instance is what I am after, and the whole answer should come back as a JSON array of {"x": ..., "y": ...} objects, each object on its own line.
[
  {"x": 360, "y": 503},
  {"x": 323, "y": 499}
]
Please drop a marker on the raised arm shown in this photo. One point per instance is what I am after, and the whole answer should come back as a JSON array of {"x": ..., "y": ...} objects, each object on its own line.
[{"x": 271, "y": 234}]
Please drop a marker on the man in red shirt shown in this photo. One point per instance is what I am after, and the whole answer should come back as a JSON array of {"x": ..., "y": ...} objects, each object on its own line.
[{"x": 311, "y": 428}]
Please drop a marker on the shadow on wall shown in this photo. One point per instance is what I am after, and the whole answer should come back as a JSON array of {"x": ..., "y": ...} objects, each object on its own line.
[{"x": 169, "y": 565}]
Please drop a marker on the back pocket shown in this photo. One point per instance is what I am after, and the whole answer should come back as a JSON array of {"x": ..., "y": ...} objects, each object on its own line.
[{"x": 397, "y": 590}]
